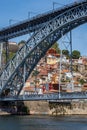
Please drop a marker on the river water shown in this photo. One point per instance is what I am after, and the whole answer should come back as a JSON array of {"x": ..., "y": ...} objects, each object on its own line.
[{"x": 43, "y": 122}]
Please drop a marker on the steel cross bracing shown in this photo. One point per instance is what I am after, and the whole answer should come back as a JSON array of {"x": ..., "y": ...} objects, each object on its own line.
[
  {"x": 33, "y": 24},
  {"x": 19, "y": 68}
]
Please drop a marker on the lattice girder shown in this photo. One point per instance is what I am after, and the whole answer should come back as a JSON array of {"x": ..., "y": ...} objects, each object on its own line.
[{"x": 17, "y": 71}]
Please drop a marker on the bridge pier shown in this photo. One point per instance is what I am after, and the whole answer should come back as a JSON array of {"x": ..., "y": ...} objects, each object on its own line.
[
  {"x": 2, "y": 46},
  {"x": 7, "y": 51},
  {"x": 1, "y": 50},
  {"x": 66, "y": 41}
]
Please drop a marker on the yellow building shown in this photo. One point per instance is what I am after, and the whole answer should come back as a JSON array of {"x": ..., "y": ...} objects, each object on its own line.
[
  {"x": 52, "y": 56},
  {"x": 51, "y": 60}
]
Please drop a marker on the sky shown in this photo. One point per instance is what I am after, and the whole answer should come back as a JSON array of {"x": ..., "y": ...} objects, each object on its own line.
[{"x": 13, "y": 11}]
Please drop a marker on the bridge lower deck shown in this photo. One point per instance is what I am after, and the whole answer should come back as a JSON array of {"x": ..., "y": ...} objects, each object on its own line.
[{"x": 52, "y": 96}]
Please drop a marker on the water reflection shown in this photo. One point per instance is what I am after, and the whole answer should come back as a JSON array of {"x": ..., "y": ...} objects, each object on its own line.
[{"x": 43, "y": 123}]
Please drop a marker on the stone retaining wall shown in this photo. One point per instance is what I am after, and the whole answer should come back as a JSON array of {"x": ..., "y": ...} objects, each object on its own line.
[{"x": 57, "y": 108}]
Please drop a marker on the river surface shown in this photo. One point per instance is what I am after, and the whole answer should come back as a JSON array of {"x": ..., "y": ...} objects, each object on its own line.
[{"x": 43, "y": 122}]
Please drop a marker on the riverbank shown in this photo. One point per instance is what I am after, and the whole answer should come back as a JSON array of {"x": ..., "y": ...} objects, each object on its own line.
[
  {"x": 2, "y": 113},
  {"x": 77, "y": 107}
]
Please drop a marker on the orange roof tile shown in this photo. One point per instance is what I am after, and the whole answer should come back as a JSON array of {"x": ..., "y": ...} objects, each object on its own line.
[
  {"x": 65, "y": 71},
  {"x": 43, "y": 73},
  {"x": 29, "y": 88},
  {"x": 51, "y": 51}
]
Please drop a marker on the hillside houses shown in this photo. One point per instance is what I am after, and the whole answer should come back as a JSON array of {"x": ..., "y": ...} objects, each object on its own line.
[
  {"x": 49, "y": 74},
  {"x": 53, "y": 71}
]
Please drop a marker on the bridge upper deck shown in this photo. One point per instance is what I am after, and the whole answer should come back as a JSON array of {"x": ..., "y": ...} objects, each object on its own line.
[{"x": 30, "y": 25}]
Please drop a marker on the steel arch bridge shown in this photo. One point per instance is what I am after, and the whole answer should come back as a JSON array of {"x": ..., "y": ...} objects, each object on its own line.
[{"x": 22, "y": 64}]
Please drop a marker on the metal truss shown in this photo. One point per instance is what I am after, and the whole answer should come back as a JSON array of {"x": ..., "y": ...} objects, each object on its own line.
[
  {"x": 33, "y": 24},
  {"x": 20, "y": 67}
]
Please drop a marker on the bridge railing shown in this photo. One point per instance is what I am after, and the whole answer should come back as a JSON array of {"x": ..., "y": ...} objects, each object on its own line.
[{"x": 63, "y": 96}]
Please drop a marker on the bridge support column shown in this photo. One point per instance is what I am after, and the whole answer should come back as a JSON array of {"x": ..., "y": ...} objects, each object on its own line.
[
  {"x": 71, "y": 52},
  {"x": 1, "y": 50},
  {"x": 66, "y": 40},
  {"x": 7, "y": 51},
  {"x": 24, "y": 73},
  {"x": 24, "y": 80},
  {"x": 71, "y": 69}
]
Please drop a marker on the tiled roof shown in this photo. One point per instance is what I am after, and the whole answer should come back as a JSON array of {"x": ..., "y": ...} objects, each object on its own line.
[
  {"x": 64, "y": 71},
  {"x": 29, "y": 88},
  {"x": 43, "y": 73}
]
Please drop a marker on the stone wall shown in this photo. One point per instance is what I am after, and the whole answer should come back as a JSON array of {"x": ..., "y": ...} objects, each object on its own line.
[
  {"x": 57, "y": 108},
  {"x": 37, "y": 107}
]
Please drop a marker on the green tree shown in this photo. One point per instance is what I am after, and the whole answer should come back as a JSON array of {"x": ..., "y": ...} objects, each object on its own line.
[
  {"x": 76, "y": 54},
  {"x": 11, "y": 54},
  {"x": 81, "y": 81},
  {"x": 35, "y": 72},
  {"x": 66, "y": 53},
  {"x": 22, "y": 42},
  {"x": 56, "y": 47}
]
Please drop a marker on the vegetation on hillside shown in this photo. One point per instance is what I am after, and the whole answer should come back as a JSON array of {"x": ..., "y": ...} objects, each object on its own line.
[
  {"x": 56, "y": 47},
  {"x": 66, "y": 53},
  {"x": 76, "y": 54}
]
